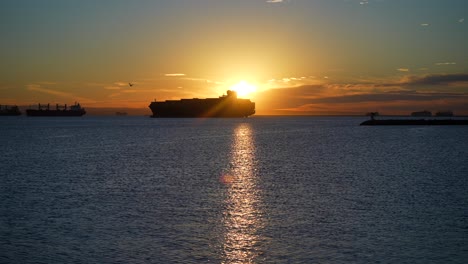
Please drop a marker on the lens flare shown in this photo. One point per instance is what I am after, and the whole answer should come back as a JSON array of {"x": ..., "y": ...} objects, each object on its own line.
[{"x": 243, "y": 88}]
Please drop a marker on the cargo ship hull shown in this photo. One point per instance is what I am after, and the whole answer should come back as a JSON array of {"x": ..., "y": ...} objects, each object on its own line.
[
  {"x": 10, "y": 113},
  {"x": 35, "y": 112},
  {"x": 45, "y": 110},
  {"x": 6, "y": 110},
  {"x": 225, "y": 106}
]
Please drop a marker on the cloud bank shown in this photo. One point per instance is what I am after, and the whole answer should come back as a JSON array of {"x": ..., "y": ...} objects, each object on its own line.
[
  {"x": 436, "y": 79},
  {"x": 412, "y": 93}
]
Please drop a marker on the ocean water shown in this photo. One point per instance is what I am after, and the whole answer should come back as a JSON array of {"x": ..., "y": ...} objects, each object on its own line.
[{"x": 255, "y": 190}]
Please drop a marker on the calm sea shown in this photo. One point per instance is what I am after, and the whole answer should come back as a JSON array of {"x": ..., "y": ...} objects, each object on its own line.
[{"x": 256, "y": 190}]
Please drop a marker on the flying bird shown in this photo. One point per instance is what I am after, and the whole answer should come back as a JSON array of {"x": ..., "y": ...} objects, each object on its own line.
[{"x": 130, "y": 84}]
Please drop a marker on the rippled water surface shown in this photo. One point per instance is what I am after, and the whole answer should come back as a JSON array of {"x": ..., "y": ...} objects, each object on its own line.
[{"x": 256, "y": 190}]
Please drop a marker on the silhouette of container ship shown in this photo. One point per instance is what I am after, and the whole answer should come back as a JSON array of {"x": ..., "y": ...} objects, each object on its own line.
[
  {"x": 60, "y": 110},
  {"x": 224, "y": 106}
]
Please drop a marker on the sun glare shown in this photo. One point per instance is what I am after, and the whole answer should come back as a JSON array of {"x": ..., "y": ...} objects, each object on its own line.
[{"x": 243, "y": 88}]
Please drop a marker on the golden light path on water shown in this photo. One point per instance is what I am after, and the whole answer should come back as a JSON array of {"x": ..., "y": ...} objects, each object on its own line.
[{"x": 242, "y": 216}]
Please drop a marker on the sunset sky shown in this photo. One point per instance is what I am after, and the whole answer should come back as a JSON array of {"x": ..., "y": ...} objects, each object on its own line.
[{"x": 297, "y": 56}]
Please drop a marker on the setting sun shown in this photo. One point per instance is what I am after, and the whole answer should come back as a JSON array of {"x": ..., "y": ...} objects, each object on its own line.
[{"x": 243, "y": 88}]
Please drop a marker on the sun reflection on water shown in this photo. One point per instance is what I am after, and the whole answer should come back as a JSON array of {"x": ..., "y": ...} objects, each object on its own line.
[{"x": 242, "y": 215}]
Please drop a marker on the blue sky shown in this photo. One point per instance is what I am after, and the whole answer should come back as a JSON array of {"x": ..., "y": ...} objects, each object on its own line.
[{"x": 59, "y": 50}]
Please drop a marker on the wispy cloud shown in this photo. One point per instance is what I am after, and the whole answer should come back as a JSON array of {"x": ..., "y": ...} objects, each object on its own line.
[
  {"x": 66, "y": 95},
  {"x": 294, "y": 81},
  {"x": 461, "y": 20},
  {"x": 436, "y": 79},
  {"x": 121, "y": 83},
  {"x": 174, "y": 74},
  {"x": 445, "y": 63},
  {"x": 387, "y": 96},
  {"x": 94, "y": 84},
  {"x": 274, "y": 1},
  {"x": 47, "y": 83},
  {"x": 364, "y": 2},
  {"x": 112, "y": 95},
  {"x": 131, "y": 91},
  {"x": 38, "y": 88},
  {"x": 424, "y": 24},
  {"x": 403, "y": 70}
]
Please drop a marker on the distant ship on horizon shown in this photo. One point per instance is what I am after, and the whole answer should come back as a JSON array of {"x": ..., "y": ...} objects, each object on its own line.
[
  {"x": 60, "y": 110},
  {"x": 422, "y": 113},
  {"x": 224, "y": 106},
  {"x": 444, "y": 113},
  {"x": 9, "y": 110}
]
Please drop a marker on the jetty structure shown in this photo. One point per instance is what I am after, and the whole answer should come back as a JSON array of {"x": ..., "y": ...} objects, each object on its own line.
[
  {"x": 9, "y": 110},
  {"x": 60, "y": 110},
  {"x": 225, "y": 106},
  {"x": 413, "y": 122}
]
